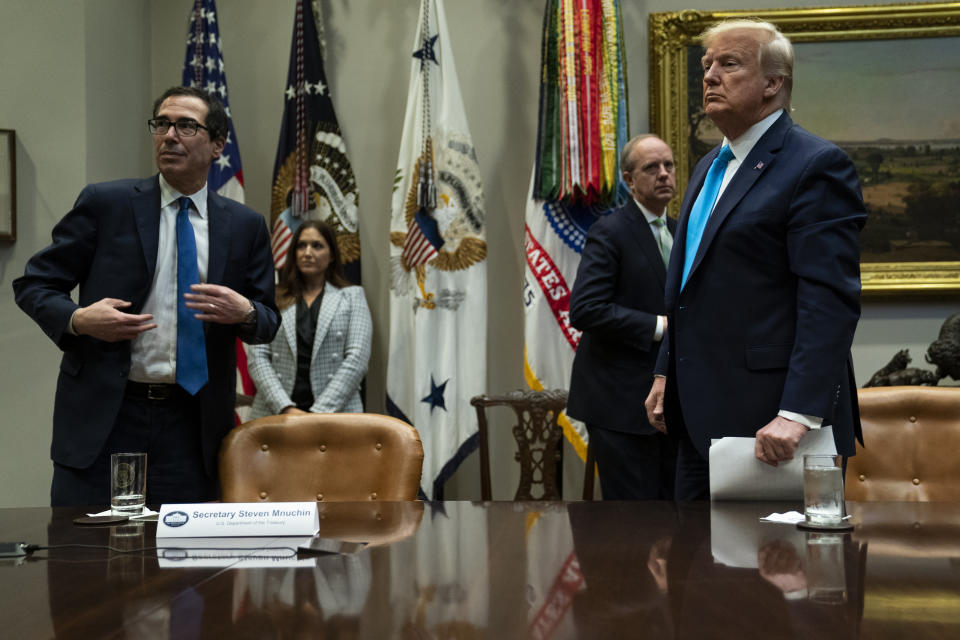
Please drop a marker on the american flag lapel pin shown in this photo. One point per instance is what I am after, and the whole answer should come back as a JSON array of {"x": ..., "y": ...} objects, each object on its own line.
[{"x": 759, "y": 166}]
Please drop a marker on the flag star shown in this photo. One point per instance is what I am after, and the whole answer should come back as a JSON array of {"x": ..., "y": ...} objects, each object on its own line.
[
  {"x": 222, "y": 90},
  {"x": 226, "y": 108},
  {"x": 435, "y": 397},
  {"x": 223, "y": 161},
  {"x": 211, "y": 17},
  {"x": 426, "y": 53},
  {"x": 220, "y": 64},
  {"x": 210, "y": 64},
  {"x": 211, "y": 87},
  {"x": 195, "y": 61},
  {"x": 291, "y": 94}
]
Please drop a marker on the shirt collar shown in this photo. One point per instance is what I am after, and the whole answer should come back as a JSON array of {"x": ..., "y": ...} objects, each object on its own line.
[
  {"x": 169, "y": 195},
  {"x": 743, "y": 145},
  {"x": 650, "y": 217}
]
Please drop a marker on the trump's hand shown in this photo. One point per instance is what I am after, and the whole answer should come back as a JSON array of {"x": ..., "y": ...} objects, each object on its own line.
[
  {"x": 654, "y": 405},
  {"x": 105, "y": 320},
  {"x": 216, "y": 303},
  {"x": 777, "y": 442}
]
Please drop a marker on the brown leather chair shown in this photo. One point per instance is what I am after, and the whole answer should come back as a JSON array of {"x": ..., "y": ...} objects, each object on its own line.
[
  {"x": 539, "y": 442},
  {"x": 321, "y": 456},
  {"x": 912, "y": 436}
]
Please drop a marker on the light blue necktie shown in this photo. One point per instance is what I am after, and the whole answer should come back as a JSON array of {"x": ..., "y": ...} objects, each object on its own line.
[
  {"x": 664, "y": 240},
  {"x": 702, "y": 208},
  {"x": 191, "y": 348}
]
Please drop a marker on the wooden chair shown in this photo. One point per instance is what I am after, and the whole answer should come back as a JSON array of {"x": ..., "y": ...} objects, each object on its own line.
[
  {"x": 912, "y": 436},
  {"x": 321, "y": 456},
  {"x": 539, "y": 441}
]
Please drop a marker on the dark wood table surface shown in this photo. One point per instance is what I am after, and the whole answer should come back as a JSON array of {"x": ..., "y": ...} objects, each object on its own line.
[{"x": 503, "y": 570}]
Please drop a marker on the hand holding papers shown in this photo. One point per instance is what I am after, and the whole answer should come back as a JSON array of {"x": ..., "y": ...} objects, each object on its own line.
[{"x": 736, "y": 474}]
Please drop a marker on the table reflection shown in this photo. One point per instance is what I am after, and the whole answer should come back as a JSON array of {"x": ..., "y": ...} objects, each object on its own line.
[{"x": 524, "y": 570}]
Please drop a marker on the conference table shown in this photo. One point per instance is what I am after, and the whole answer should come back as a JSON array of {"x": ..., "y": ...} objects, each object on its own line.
[{"x": 496, "y": 570}]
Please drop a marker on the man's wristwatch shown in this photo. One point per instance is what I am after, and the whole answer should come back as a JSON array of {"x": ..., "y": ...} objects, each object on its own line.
[{"x": 250, "y": 317}]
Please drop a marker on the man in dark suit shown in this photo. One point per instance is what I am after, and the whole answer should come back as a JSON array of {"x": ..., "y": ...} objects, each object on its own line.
[
  {"x": 763, "y": 289},
  {"x": 130, "y": 378},
  {"x": 617, "y": 302}
]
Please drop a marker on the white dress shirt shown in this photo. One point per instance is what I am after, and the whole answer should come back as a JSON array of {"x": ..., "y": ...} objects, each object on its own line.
[{"x": 153, "y": 354}]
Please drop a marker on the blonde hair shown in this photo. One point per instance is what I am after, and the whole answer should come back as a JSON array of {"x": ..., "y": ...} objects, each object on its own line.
[{"x": 774, "y": 50}]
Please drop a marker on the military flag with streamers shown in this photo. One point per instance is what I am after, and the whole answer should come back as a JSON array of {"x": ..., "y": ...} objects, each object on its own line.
[
  {"x": 438, "y": 289},
  {"x": 204, "y": 69},
  {"x": 312, "y": 176},
  {"x": 579, "y": 129},
  {"x": 582, "y": 102}
]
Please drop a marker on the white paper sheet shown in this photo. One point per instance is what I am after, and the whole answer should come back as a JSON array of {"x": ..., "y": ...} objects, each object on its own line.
[{"x": 736, "y": 474}]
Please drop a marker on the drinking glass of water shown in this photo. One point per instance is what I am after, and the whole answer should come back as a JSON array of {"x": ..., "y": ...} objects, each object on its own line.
[
  {"x": 823, "y": 490},
  {"x": 128, "y": 483}
]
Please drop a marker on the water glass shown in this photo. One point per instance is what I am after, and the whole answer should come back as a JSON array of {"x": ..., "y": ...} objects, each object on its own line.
[
  {"x": 128, "y": 483},
  {"x": 823, "y": 490}
]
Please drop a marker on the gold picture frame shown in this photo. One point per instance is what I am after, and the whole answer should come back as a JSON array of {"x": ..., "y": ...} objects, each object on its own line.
[{"x": 673, "y": 35}]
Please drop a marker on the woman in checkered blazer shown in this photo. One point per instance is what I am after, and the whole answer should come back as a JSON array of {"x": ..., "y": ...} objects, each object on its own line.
[{"x": 321, "y": 352}]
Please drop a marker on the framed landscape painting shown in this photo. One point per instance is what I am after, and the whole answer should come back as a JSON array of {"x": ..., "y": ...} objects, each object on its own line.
[{"x": 882, "y": 82}]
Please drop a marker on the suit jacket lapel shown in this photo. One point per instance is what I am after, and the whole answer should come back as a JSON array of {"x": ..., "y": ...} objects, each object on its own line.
[
  {"x": 145, "y": 201},
  {"x": 332, "y": 297},
  {"x": 288, "y": 326},
  {"x": 640, "y": 229},
  {"x": 219, "y": 237},
  {"x": 750, "y": 170}
]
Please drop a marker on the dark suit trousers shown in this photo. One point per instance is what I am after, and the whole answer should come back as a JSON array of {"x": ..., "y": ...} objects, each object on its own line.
[
  {"x": 632, "y": 466},
  {"x": 169, "y": 432},
  {"x": 693, "y": 472}
]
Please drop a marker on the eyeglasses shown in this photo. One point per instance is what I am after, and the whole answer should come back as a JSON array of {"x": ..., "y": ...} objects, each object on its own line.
[{"x": 160, "y": 126}]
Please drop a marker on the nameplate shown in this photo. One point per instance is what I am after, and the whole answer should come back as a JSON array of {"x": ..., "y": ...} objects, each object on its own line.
[{"x": 237, "y": 519}]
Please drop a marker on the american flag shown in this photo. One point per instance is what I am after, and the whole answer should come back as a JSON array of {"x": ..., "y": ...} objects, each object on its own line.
[
  {"x": 203, "y": 69},
  {"x": 422, "y": 241}
]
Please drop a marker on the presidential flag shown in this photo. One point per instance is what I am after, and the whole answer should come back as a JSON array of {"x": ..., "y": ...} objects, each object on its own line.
[
  {"x": 312, "y": 176},
  {"x": 575, "y": 180},
  {"x": 203, "y": 69},
  {"x": 438, "y": 288}
]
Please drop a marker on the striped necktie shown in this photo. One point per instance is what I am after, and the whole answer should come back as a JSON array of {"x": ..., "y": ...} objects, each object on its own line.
[
  {"x": 191, "y": 347},
  {"x": 702, "y": 208}
]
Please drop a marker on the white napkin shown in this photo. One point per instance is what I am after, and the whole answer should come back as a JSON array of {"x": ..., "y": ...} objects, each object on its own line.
[{"x": 790, "y": 517}]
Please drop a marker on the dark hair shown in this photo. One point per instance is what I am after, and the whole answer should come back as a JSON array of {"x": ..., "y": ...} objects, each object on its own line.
[
  {"x": 217, "y": 124},
  {"x": 291, "y": 285}
]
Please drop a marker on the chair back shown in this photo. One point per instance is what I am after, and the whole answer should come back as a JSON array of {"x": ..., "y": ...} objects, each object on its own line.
[
  {"x": 538, "y": 436},
  {"x": 912, "y": 436},
  {"x": 321, "y": 456}
]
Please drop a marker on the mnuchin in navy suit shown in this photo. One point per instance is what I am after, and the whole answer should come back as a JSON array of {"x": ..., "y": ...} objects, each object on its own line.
[
  {"x": 107, "y": 244},
  {"x": 615, "y": 301},
  {"x": 767, "y": 316}
]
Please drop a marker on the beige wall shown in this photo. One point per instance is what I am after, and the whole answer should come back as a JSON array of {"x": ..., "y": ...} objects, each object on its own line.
[{"x": 78, "y": 79}]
